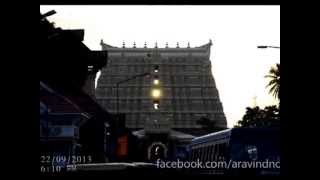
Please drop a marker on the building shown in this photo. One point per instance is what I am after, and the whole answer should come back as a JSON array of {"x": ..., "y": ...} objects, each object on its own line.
[
  {"x": 60, "y": 122},
  {"x": 188, "y": 87},
  {"x": 71, "y": 121}
]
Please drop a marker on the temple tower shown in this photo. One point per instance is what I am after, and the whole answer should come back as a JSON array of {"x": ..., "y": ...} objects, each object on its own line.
[{"x": 188, "y": 87}]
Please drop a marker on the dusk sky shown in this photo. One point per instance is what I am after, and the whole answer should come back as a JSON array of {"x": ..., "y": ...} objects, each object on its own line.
[{"x": 238, "y": 65}]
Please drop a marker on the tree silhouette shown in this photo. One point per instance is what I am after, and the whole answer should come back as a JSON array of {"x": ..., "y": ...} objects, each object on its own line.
[
  {"x": 256, "y": 117},
  {"x": 274, "y": 83}
]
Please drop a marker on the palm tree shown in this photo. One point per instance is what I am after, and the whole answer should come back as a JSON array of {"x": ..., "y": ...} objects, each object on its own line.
[{"x": 274, "y": 83}]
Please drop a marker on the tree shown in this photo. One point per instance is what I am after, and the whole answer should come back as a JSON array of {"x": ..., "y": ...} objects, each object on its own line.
[
  {"x": 274, "y": 83},
  {"x": 256, "y": 117},
  {"x": 270, "y": 115}
]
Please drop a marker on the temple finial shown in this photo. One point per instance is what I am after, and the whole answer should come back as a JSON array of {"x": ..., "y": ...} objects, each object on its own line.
[
  {"x": 210, "y": 42},
  {"x": 101, "y": 42},
  {"x": 134, "y": 44},
  {"x": 188, "y": 44},
  {"x": 156, "y": 45},
  {"x": 167, "y": 46},
  {"x": 177, "y": 44},
  {"x": 123, "y": 44},
  {"x": 145, "y": 44}
]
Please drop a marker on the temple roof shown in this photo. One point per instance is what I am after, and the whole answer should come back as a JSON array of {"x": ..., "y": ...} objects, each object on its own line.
[
  {"x": 55, "y": 102},
  {"x": 134, "y": 47}
]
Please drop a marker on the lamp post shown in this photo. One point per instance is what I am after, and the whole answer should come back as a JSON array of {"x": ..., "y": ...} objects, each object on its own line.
[
  {"x": 117, "y": 99},
  {"x": 156, "y": 92}
]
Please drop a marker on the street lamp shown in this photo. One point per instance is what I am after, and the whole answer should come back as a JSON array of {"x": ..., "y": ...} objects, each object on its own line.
[
  {"x": 117, "y": 97},
  {"x": 265, "y": 47},
  {"x": 156, "y": 93}
]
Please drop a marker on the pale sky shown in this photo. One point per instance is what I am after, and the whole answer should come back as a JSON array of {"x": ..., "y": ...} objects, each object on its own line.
[{"x": 236, "y": 31}]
